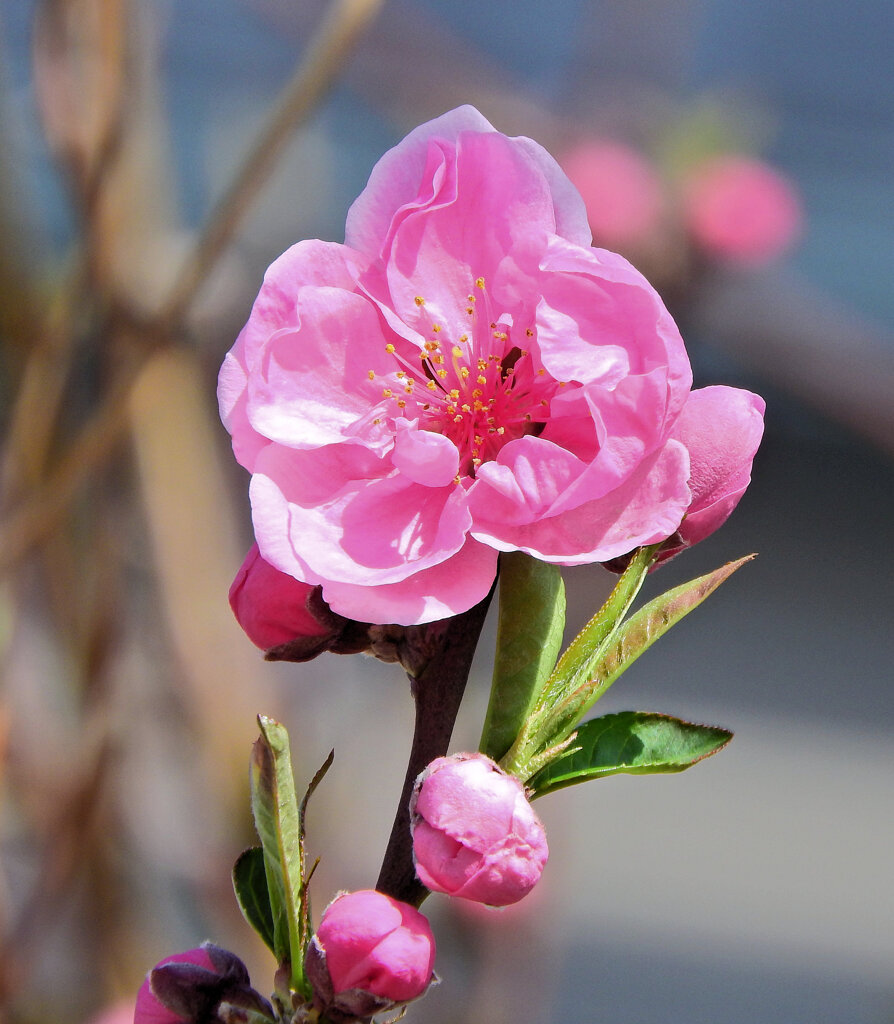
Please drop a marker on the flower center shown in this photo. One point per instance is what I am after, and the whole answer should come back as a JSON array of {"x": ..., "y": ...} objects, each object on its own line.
[{"x": 478, "y": 386}]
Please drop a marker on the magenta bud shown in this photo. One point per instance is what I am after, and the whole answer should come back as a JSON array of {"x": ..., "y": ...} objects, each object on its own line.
[
  {"x": 370, "y": 954},
  {"x": 205, "y": 984},
  {"x": 286, "y": 618},
  {"x": 475, "y": 834}
]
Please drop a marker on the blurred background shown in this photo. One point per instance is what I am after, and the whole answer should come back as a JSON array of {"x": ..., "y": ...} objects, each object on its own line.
[{"x": 154, "y": 158}]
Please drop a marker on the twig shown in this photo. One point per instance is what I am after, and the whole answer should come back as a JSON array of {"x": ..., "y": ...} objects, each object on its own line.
[
  {"x": 337, "y": 35},
  {"x": 438, "y": 692}
]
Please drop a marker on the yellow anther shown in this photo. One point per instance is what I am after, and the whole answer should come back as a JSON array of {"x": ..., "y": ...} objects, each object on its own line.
[
  {"x": 481, "y": 379},
  {"x": 529, "y": 332},
  {"x": 408, "y": 390},
  {"x": 376, "y": 421},
  {"x": 457, "y": 351},
  {"x": 541, "y": 372},
  {"x": 479, "y": 282},
  {"x": 463, "y": 338},
  {"x": 457, "y": 419},
  {"x": 454, "y": 394},
  {"x": 477, "y": 393},
  {"x": 501, "y": 430},
  {"x": 431, "y": 346},
  {"x": 469, "y": 310},
  {"x": 371, "y": 374},
  {"x": 386, "y": 393},
  {"x": 400, "y": 374},
  {"x": 457, "y": 480},
  {"x": 419, "y": 300},
  {"x": 430, "y": 384},
  {"x": 464, "y": 372},
  {"x": 476, "y": 462},
  {"x": 441, "y": 373},
  {"x": 466, "y": 407},
  {"x": 389, "y": 348},
  {"x": 436, "y": 328},
  {"x": 563, "y": 383}
]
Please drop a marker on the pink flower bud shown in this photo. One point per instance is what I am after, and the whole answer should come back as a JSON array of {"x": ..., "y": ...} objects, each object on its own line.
[
  {"x": 271, "y": 606},
  {"x": 475, "y": 835},
  {"x": 721, "y": 428},
  {"x": 742, "y": 210},
  {"x": 623, "y": 193},
  {"x": 203, "y": 984},
  {"x": 370, "y": 954}
]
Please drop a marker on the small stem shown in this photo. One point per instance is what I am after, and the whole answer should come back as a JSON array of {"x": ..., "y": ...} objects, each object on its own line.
[{"x": 438, "y": 692}]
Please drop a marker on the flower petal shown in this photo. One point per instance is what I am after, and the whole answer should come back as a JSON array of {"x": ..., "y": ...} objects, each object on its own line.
[
  {"x": 446, "y": 589},
  {"x": 645, "y": 509}
]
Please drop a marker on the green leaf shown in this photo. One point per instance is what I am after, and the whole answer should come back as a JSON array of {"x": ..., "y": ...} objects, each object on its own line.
[
  {"x": 250, "y": 886},
  {"x": 622, "y": 645},
  {"x": 278, "y": 822},
  {"x": 529, "y": 636},
  {"x": 633, "y": 742},
  {"x": 579, "y": 657}
]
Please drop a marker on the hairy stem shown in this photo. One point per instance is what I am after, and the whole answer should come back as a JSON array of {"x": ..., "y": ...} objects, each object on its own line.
[{"x": 438, "y": 691}]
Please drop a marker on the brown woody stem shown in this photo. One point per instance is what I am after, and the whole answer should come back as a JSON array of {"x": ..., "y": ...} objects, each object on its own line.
[{"x": 438, "y": 691}]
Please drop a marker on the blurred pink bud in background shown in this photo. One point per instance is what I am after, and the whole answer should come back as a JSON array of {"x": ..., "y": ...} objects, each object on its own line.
[
  {"x": 370, "y": 954},
  {"x": 475, "y": 835},
  {"x": 623, "y": 193},
  {"x": 740, "y": 209}
]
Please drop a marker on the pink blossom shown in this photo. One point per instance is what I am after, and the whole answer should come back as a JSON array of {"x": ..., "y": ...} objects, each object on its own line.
[
  {"x": 740, "y": 209},
  {"x": 475, "y": 835},
  {"x": 465, "y": 375},
  {"x": 370, "y": 954},
  {"x": 623, "y": 193}
]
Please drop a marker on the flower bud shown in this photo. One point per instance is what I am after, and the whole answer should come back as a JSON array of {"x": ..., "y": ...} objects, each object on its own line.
[
  {"x": 286, "y": 618},
  {"x": 204, "y": 984},
  {"x": 741, "y": 210},
  {"x": 475, "y": 835},
  {"x": 370, "y": 954},
  {"x": 721, "y": 428}
]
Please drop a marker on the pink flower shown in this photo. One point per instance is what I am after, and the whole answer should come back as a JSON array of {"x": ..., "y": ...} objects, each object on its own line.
[
  {"x": 475, "y": 835},
  {"x": 742, "y": 210},
  {"x": 370, "y": 954},
  {"x": 466, "y": 375},
  {"x": 623, "y": 193},
  {"x": 195, "y": 985}
]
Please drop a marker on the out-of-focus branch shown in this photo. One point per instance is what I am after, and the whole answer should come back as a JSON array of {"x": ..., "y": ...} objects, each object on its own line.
[
  {"x": 798, "y": 338},
  {"x": 324, "y": 61}
]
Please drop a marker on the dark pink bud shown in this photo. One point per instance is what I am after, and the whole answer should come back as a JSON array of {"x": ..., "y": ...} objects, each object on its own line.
[
  {"x": 370, "y": 954},
  {"x": 742, "y": 210},
  {"x": 475, "y": 834},
  {"x": 204, "y": 984}
]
